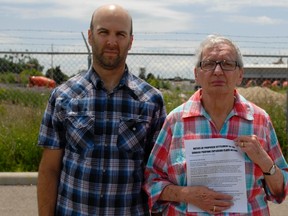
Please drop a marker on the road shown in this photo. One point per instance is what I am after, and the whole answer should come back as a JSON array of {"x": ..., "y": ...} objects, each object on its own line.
[{"x": 21, "y": 201}]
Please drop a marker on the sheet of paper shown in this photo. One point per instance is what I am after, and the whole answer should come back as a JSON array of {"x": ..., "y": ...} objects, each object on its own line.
[{"x": 219, "y": 165}]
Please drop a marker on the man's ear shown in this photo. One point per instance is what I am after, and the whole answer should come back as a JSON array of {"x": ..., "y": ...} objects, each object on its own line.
[
  {"x": 131, "y": 41},
  {"x": 90, "y": 37},
  {"x": 241, "y": 75},
  {"x": 196, "y": 75}
]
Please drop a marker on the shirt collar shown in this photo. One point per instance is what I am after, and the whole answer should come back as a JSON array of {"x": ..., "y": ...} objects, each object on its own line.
[
  {"x": 193, "y": 107},
  {"x": 98, "y": 83}
]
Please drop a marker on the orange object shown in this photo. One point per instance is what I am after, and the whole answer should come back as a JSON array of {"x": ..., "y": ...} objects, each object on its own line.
[
  {"x": 251, "y": 83},
  {"x": 276, "y": 83},
  {"x": 41, "y": 81},
  {"x": 266, "y": 83}
]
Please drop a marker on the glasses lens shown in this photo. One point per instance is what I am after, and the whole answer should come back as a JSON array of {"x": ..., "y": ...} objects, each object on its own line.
[
  {"x": 208, "y": 65},
  {"x": 228, "y": 65}
]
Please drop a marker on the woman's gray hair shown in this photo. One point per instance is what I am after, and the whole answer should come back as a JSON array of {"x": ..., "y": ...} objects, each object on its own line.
[{"x": 211, "y": 41}]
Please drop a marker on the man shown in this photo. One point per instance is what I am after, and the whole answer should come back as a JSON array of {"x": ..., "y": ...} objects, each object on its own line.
[
  {"x": 98, "y": 130},
  {"x": 216, "y": 110}
]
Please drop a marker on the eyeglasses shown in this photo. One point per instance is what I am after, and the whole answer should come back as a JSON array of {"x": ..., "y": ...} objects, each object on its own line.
[{"x": 209, "y": 65}]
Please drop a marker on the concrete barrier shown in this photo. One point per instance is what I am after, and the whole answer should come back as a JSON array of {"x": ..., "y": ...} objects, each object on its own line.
[{"x": 18, "y": 178}]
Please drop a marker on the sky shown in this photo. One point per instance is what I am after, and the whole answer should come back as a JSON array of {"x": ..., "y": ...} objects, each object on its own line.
[
  {"x": 257, "y": 26},
  {"x": 254, "y": 25}
]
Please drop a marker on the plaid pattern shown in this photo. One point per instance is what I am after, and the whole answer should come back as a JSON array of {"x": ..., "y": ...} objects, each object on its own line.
[
  {"x": 167, "y": 164},
  {"x": 107, "y": 139}
]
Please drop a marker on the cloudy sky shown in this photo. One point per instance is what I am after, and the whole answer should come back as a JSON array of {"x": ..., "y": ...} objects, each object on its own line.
[
  {"x": 257, "y": 26},
  {"x": 162, "y": 26}
]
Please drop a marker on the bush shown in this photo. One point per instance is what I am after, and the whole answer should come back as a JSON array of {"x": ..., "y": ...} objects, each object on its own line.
[
  {"x": 8, "y": 78},
  {"x": 25, "y": 74},
  {"x": 278, "y": 118}
]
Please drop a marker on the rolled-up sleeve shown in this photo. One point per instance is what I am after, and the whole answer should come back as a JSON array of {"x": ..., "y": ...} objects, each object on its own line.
[
  {"x": 156, "y": 171},
  {"x": 166, "y": 164}
]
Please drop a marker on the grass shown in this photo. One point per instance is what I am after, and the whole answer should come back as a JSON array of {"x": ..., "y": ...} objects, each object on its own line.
[
  {"x": 20, "y": 116},
  {"x": 21, "y": 111}
]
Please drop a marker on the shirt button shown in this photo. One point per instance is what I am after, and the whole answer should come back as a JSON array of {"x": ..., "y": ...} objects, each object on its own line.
[
  {"x": 104, "y": 170},
  {"x": 134, "y": 128}
]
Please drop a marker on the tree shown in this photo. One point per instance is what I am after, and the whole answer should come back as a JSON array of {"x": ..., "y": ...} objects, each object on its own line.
[
  {"x": 16, "y": 63},
  {"x": 56, "y": 74}
]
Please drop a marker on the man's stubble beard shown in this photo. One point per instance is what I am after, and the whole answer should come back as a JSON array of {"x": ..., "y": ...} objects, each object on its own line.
[{"x": 106, "y": 62}]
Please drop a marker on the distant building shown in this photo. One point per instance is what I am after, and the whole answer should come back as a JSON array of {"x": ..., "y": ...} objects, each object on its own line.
[{"x": 259, "y": 73}]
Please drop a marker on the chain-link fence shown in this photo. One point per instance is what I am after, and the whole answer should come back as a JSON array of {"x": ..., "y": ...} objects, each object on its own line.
[
  {"x": 270, "y": 71},
  {"x": 258, "y": 68},
  {"x": 16, "y": 67}
]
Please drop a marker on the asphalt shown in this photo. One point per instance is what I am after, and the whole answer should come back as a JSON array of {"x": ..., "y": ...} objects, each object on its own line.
[{"x": 18, "y": 196}]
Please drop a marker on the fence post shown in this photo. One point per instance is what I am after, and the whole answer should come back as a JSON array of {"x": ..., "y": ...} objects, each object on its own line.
[{"x": 88, "y": 49}]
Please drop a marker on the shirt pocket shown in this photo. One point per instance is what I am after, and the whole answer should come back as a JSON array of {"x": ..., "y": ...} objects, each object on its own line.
[
  {"x": 132, "y": 134},
  {"x": 80, "y": 131}
]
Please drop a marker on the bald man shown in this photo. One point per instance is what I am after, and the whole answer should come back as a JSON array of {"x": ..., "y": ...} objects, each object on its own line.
[{"x": 98, "y": 130}]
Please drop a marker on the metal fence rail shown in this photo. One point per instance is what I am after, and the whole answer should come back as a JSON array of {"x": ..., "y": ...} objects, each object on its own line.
[{"x": 163, "y": 65}]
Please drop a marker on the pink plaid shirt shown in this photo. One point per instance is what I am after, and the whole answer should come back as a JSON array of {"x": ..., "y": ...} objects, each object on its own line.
[{"x": 167, "y": 164}]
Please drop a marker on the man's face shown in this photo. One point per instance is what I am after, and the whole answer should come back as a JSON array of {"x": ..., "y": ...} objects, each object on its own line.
[{"x": 110, "y": 40}]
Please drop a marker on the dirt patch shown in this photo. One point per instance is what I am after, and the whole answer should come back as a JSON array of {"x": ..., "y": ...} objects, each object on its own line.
[{"x": 260, "y": 95}]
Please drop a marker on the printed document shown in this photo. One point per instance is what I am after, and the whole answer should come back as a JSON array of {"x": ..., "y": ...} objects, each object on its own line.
[{"x": 219, "y": 165}]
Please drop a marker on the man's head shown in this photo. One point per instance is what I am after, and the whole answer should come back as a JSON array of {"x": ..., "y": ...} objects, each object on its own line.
[
  {"x": 111, "y": 8},
  {"x": 110, "y": 36}
]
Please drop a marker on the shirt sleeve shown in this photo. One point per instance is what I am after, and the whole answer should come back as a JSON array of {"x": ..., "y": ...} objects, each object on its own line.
[
  {"x": 51, "y": 133},
  {"x": 156, "y": 126},
  {"x": 156, "y": 173}
]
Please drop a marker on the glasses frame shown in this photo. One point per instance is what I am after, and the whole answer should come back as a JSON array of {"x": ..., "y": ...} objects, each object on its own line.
[{"x": 219, "y": 63}]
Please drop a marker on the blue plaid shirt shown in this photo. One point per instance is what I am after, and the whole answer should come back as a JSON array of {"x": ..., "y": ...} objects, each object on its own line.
[{"x": 107, "y": 139}]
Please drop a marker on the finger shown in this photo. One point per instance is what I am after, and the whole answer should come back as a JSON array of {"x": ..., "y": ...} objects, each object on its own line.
[
  {"x": 217, "y": 209},
  {"x": 224, "y": 203},
  {"x": 241, "y": 143},
  {"x": 223, "y": 197}
]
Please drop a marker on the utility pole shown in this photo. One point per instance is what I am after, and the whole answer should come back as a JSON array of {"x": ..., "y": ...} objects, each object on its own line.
[{"x": 88, "y": 49}]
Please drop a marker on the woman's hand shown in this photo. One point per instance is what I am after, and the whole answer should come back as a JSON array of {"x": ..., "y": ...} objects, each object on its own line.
[
  {"x": 207, "y": 199},
  {"x": 204, "y": 198},
  {"x": 252, "y": 147}
]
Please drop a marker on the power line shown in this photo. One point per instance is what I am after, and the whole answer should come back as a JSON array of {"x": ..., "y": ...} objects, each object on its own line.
[
  {"x": 38, "y": 30},
  {"x": 38, "y": 38}
]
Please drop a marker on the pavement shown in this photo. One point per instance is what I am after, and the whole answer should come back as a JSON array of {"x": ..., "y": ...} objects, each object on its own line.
[{"x": 18, "y": 196}]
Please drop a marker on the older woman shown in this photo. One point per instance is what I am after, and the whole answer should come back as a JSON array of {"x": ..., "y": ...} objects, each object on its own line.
[{"x": 216, "y": 110}]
